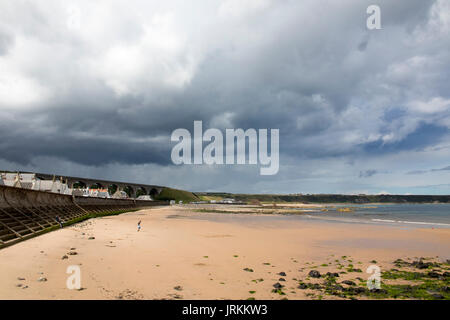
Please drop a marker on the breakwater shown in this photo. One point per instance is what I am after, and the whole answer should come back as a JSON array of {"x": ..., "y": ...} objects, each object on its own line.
[{"x": 27, "y": 213}]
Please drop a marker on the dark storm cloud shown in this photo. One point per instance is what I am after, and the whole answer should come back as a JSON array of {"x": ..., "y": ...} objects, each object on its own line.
[
  {"x": 87, "y": 150},
  {"x": 442, "y": 169},
  {"x": 114, "y": 87},
  {"x": 417, "y": 172},
  {"x": 367, "y": 173}
]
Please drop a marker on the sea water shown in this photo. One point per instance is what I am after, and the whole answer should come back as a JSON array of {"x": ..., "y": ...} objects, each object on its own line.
[{"x": 426, "y": 215}]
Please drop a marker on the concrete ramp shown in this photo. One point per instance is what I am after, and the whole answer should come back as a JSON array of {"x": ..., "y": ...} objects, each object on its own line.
[{"x": 27, "y": 213}]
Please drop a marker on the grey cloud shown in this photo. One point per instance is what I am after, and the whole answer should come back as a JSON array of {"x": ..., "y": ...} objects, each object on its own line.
[
  {"x": 417, "y": 172},
  {"x": 5, "y": 42},
  {"x": 330, "y": 87},
  {"x": 442, "y": 169},
  {"x": 426, "y": 171},
  {"x": 367, "y": 173}
]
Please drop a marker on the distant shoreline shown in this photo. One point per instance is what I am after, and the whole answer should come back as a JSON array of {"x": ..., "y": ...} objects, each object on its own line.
[
  {"x": 326, "y": 198},
  {"x": 419, "y": 215}
]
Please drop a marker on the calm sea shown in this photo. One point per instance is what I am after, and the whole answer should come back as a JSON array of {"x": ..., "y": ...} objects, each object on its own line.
[{"x": 426, "y": 215}]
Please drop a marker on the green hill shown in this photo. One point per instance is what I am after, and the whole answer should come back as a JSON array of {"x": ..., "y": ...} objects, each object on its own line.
[
  {"x": 177, "y": 195},
  {"x": 330, "y": 198}
]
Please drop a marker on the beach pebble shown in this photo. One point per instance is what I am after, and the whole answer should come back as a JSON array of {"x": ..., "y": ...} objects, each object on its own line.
[
  {"x": 401, "y": 263},
  {"x": 315, "y": 286},
  {"x": 433, "y": 274},
  {"x": 314, "y": 274},
  {"x": 42, "y": 279},
  {"x": 437, "y": 296},
  {"x": 178, "y": 288},
  {"x": 20, "y": 278},
  {"x": 278, "y": 285},
  {"x": 421, "y": 265},
  {"x": 357, "y": 290},
  {"x": 283, "y": 274},
  {"x": 348, "y": 282},
  {"x": 282, "y": 279},
  {"x": 248, "y": 269},
  {"x": 378, "y": 290},
  {"x": 302, "y": 286},
  {"x": 18, "y": 285},
  {"x": 332, "y": 274},
  {"x": 72, "y": 253},
  {"x": 91, "y": 238}
]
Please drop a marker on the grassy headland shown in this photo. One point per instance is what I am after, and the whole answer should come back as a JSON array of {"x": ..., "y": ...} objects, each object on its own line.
[
  {"x": 168, "y": 194},
  {"x": 327, "y": 198}
]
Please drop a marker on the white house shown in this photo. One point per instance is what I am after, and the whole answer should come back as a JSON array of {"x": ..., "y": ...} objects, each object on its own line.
[{"x": 30, "y": 181}]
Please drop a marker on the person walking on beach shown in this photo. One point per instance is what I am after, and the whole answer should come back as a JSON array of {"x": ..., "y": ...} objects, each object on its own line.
[
  {"x": 139, "y": 226},
  {"x": 59, "y": 221}
]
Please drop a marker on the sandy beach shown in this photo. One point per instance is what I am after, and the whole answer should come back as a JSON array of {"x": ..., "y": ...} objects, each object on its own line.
[{"x": 184, "y": 254}]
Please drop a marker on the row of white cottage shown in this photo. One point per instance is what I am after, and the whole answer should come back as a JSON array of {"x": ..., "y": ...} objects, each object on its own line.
[{"x": 30, "y": 181}]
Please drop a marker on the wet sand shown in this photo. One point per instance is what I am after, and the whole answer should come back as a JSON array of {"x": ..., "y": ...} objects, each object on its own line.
[{"x": 202, "y": 255}]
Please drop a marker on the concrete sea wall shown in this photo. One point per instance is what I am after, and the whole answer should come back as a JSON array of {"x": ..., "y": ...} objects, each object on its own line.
[{"x": 27, "y": 213}]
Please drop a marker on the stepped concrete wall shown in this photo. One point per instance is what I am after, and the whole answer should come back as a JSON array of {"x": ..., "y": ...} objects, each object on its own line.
[{"x": 26, "y": 213}]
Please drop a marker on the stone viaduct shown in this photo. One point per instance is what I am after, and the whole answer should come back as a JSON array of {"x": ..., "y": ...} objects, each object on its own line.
[{"x": 131, "y": 188}]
